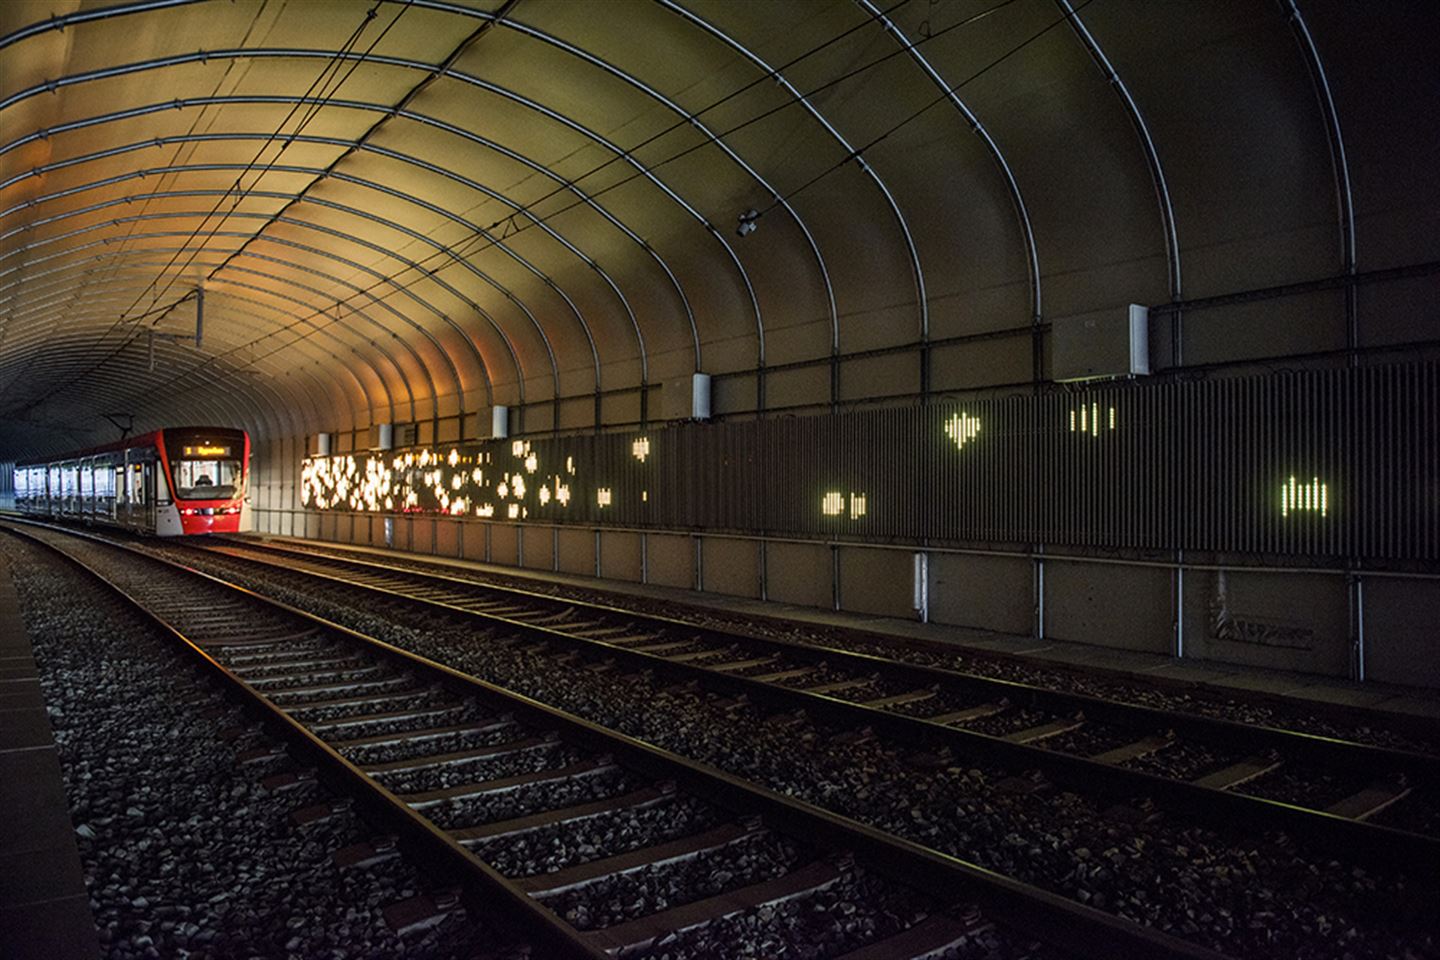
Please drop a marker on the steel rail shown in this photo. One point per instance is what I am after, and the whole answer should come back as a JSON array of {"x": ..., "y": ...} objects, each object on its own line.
[
  {"x": 422, "y": 839},
  {"x": 1078, "y": 929},
  {"x": 1358, "y": 838}
]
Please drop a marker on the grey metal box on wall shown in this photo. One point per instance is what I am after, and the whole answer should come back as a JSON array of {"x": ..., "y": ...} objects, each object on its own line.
[
  {"x": 1106, "y": 343},
  {"x": 686, "y": 398}
]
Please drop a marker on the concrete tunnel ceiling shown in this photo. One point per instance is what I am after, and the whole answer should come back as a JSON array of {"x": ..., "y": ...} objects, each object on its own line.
[{"x": 406, "y": 210}]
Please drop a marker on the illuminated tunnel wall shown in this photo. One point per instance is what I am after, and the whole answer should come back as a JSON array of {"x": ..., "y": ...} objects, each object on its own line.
[{"x": 1336, "y": 463}]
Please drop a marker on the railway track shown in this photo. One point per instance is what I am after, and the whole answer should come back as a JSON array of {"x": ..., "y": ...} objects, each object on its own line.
[
  {"x": 1367, "y": 801},
  {"x": 594, "y": 844}
]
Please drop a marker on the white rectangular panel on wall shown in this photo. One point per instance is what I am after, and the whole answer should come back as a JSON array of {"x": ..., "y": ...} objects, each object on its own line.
[{"x": 1106, "y": 343}]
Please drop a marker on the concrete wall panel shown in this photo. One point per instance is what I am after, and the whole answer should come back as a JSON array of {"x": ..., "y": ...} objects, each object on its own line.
[
  {"x": 670, "y": 560},
  {"x": 799, "y": 573},
  {"x": 731, "y": 566},
  {"x": 1108, "y": 605},
  {"x": 422, "y": 535},
  {"x": 539, "y": 547},
  {"x": 620, "y": 555},
  {"x": 474, "y": 541},
  {"x": 1287, "y": 621},
  {"x": 988, "y": 593},
  {"x": 1401, "y": 644},
  {"x": 577, "y": 551},
  {"x": 505, "y": 544},
  {"x": 877, "y": 581},
  {"x": 447, "y": 538}
]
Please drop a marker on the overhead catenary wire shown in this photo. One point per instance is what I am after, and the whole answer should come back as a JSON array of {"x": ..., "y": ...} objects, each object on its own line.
[
  {"x": 482, "y": 241},
  {"x": 332, "y": 67}
]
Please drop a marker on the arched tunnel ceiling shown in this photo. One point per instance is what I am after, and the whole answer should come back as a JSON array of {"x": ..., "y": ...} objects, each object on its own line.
[{"x": 397, "y": 210}]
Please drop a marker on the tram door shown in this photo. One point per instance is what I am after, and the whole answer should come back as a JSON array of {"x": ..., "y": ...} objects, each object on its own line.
[{"x": 146, "y": 514}]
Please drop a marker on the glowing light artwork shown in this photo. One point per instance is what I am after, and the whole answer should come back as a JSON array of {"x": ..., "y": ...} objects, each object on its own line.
[
  {"x": 640, "y": 449},
  {"x": 532, "y": 463},
  {"x": 514, "y": 511},
  {"x": 603, "y": 497},
  {"x": 1312, "y": 497},
  {"x": 544, "y": 496},
  {"x": 1087, "y": 419},
  {"x": 454, "y": 457},
  {"x": 962, "y": 428},
  {"x": 834, "y": 502}
]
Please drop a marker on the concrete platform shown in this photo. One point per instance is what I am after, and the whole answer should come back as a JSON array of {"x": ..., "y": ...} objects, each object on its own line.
[
  {"x": 1405, "y": 704},
  {"x": 44, "y": 909}
]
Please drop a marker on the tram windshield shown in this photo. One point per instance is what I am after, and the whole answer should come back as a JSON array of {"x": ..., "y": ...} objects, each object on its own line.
[{"x": 206, "y": 479}]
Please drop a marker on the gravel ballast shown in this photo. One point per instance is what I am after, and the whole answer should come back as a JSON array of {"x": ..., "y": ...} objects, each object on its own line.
[
  {"x": 1241, "y": 891},
  {"x": 184, "y": 853}
]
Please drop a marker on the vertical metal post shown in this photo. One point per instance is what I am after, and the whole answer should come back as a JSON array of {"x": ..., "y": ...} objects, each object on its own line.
[
  {"x": 597, "y": 551},
  {"x": 1040, "y": 592},
  {"x": 555, "y": 549},
  {"x": 835, "y": 575},
  {"x": 1357, "y": 625},
  {"x": 764, "y": 565},
  {"x": 922, "y": 586},
  {"x": 644, "y": 558},
  {"x": 1179, "y": 651},
  {"x": 699, "y": 565}
]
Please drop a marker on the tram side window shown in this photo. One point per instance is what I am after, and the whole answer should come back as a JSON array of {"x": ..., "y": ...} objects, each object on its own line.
[
  {"x": 137, "y": 483},
  {"x": 104, "y": 483},
  {"x": 206, "y": 479}
]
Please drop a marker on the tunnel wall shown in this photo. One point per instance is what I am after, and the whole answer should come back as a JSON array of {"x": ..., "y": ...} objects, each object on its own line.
[{"x": 1281, "y": 601}]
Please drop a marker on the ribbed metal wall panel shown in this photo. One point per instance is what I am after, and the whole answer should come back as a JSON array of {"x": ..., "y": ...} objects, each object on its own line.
[{"x": 1194, "y": 465}]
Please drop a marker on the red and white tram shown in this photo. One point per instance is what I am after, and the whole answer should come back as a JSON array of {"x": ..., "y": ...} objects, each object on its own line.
[{"x": 172, "y": 482}]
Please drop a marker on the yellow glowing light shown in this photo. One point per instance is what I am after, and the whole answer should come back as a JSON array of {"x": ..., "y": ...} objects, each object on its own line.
[
  {"x": 456, "y": 482},
  {"x": 514, "y": 511},
  {"x": 962, "y": 428},
  {"x": 454, "y": 457},
  {"x": 544, "y": 496},
  {"x": 205, "y": 450},
  {"x": 562, "y": 492},
  {"x": 602, "y": 497},
  {"x": 644, "y": 496},
  {"x": 833, "y": 504},
  {"x": 532, "y": 463},
  {"x": 517, "y": 484},
  {"x": 477, "y": 475},
  {"x": 1089, "y": 420},
  {"x": 1312, "y": 497},
  {"x": 517, "y": 449},
  {"x": 640, "y": 449},
  {"x": 389, "y": 503},
  {"x": 485, "y": 510},
  {"x": 503, "y": 490},
  {"x": 857, "y": 505},
  {"x": 424, "y": 458},
  {"x": 569, "y": 464}
]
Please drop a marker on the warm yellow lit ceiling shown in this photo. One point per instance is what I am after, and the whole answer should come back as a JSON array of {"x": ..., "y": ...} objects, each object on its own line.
[{"x": 401, "y": 210}]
